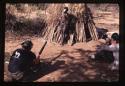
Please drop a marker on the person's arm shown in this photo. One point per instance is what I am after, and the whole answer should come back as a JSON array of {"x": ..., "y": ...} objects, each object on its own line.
[
  {"x": 109, "y": 48},
  {"x": 37, "y": 59}
]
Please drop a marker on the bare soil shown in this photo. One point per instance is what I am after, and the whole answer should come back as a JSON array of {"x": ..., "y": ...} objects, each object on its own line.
[{"x": 72, "y": 63}]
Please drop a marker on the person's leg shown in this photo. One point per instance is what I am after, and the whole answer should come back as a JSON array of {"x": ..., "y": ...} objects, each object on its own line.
[
  {"x": 16, "y": 77},
  {"x": 109, "y": 56},
  {"x": 106, "y": 56},
  {"x": 99, "y": 55},
  {"x": 36, "y": 67}
]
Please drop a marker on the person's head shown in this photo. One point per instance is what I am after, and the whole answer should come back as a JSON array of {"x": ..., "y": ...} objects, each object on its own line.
[
  {"x": 115, "y": 38},
  {"x": 65, "y": 10},
  {"x": 27, "y": 45}
]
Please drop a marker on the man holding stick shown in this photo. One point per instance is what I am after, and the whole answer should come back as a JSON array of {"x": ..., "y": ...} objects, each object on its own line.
[{"x": 23, "y": 60}]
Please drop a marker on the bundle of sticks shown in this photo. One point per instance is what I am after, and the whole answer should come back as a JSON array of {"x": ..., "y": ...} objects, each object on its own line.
[{"x": 59, "y": 32}]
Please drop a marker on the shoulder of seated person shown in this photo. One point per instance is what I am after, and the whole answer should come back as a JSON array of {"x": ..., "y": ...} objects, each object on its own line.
[{"x": 19, "y": 49}]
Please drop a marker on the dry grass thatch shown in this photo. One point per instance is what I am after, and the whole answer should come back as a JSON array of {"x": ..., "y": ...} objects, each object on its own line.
[{"x": 54, "y": 12}]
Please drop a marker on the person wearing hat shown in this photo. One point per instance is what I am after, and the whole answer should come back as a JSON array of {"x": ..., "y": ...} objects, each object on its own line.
[
  {"x": 109, "y": 52},
  {"x": 21, "y": 60}
]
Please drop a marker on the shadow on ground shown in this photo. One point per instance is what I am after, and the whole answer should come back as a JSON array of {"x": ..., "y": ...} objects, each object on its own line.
[
  {"x": 46, "y": 67},
  {"x": 85, "y": 69},
  {"x": 82, "y": 69}
]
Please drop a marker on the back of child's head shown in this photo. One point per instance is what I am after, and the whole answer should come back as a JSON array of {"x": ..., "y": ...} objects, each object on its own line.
[{"x": 115, "y": 36}]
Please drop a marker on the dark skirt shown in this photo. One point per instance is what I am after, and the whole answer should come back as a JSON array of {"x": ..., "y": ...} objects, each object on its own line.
[{"x": 105, "y": 56}]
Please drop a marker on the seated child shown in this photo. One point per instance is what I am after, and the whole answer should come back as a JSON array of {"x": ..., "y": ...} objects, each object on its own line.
[{"x": 109, "y": 52}]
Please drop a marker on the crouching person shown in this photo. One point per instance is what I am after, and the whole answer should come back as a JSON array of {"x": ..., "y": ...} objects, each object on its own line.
[
  {"x": 109, "y": 52},
  {"x": 21, "y": 61}
]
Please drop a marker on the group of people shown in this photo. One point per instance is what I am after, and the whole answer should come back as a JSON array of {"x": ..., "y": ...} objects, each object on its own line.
[{"x": 23, "y": 59}]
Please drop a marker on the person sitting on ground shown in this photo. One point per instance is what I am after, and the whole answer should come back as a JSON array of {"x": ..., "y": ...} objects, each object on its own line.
[
  {"x": 22, "y": 60},
  {"x": 109, "y": 52}
]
